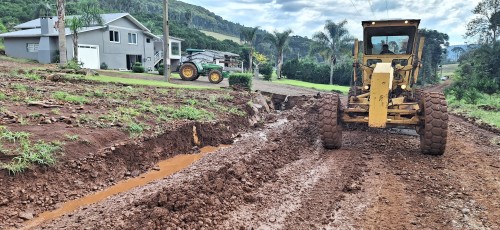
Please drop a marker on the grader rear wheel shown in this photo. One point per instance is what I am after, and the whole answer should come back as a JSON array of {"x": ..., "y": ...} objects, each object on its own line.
[
  {"x": 215, "y": 76},
  {"x": 434, "y": 128},
  {"x": 188, "y": 72},
  {"x": 329, "y": 119}
]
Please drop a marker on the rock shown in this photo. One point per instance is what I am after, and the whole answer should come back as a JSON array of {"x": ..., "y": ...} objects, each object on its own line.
[
  {"x": 46, "y": 121},
  {"x": 73, "y": 115},
  {"x": 135, "y": 173},
  {"x": 28, "y": 215},
  {"x": 465, "y": 211}
]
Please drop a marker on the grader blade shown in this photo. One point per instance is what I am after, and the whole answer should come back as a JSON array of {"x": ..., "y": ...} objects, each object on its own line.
[{"x": 380, "y": 85}]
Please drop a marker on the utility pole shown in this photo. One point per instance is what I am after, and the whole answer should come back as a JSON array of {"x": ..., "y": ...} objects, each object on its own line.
[{"x": 166, "y": 42}]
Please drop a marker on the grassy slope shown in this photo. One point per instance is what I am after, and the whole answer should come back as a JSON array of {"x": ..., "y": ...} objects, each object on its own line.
[
  {"x": 132, "y": 81},
  {"x": 484, "y": 110},
  {"x": 221, "y": 37},
  {"x": 322, "y": 87},
  {"x": 449, "y": 70}
]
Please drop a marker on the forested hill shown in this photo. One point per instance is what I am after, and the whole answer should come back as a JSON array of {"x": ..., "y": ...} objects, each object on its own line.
[
  {"x": 13, "y": 12},
  {"x": 185, "y": 19}
]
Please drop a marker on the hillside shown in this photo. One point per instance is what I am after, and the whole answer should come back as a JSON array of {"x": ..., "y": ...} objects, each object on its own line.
[{"x": 198, "y": 26}]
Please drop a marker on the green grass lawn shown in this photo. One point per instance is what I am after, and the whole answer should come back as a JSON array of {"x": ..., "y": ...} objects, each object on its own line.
[
  {"x": 486, "y": 110},
  {"x": 322, "y": 87},
  {"x": 132, "y": 81},
  {"x": 449, "y": 70},
  {"x": 221, "y": 37}
]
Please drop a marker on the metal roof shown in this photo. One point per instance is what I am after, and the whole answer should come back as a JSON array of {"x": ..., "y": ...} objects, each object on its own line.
[
  {"x": 33, "y": 27},
  {"x": 38, "y": 32}
]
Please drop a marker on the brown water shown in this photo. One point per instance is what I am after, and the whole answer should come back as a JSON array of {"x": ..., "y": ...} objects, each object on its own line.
[{"x": 167, "y": 167}]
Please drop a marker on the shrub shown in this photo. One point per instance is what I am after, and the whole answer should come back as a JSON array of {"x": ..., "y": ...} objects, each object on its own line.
[
  {"x": 161, "y": 69},
  {"x": 138, "y": 68},
  {"x": 309, "y": 71},
  {"x": 243, "y": 80},
  {"x": 268, "y": 77},
  {"x": 104, "y": 66},
  {"x": 266, "y": 69},
  {"x": 73, "y": 64}
]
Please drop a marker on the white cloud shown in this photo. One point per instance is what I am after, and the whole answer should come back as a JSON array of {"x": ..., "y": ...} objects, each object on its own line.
[{"x": 306, "y": 17}]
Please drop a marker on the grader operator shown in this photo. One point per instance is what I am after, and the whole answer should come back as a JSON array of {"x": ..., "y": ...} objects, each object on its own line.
[{"x": 387, "y": 94}]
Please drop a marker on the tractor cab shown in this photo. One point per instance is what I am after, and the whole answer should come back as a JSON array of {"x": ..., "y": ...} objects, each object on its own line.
[
  {"x": 394, "y": 43},
  {"x": 386, "y": 96}
]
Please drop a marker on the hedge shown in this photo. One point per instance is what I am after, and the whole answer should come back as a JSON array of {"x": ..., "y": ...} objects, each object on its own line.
[
  {"x": 243, "y": 80},
  {"x": 309, "y": 71}
]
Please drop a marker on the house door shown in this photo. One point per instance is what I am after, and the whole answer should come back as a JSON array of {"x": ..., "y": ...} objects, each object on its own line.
[
  {"x": 132, "y": 59},
  {"x": 89, "y": 56}
]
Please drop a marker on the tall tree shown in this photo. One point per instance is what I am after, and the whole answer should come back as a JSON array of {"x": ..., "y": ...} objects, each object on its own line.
[
  {"x": 279, "y": 40},
  {"x": 432, "y": 53},
  {"x": 487, "y": 21},
  {"x": 61, "y": 14},
  {"x": 331, "y": 42},
  {"x": 458, "y": 51},
  {"x": 248, "y": 36},
  {"x": 89, "y": 15}
]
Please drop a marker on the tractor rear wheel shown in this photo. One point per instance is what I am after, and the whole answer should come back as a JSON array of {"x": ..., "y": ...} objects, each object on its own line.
[
  {"x": 188, "y": 72},
  {"x": 330, "y": 121},
  {"x": 215, "y": 76},
  {"x": 434, "y": 128}
]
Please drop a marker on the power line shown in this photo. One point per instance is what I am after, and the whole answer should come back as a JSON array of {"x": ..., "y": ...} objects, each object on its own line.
[
  {"x": 354, "y": 6},
  {"x": 371, "y": 8},
  {"x": 386, "y": 9}
]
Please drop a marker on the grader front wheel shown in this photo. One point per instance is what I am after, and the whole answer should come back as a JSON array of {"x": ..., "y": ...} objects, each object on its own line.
[
  {"x": 434, "y": 128},
  {"x": 329, "y": 120}
]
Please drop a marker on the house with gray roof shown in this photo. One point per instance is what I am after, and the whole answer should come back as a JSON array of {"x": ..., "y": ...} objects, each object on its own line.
[{"x": 119, "y": 42}]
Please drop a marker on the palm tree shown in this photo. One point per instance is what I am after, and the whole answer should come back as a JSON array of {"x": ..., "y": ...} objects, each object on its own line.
[
  {"x": 279, "y": 40},
  {"x": 248, "y": 36},
  {"x": 43, "y": 9},
  {"x": 61, "y": 14},
  {"x": 90, "y": 15},
  {"x": 331, "y": 42}
]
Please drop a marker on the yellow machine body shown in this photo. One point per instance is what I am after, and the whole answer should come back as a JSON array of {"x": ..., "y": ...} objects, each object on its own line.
[{"x": 386, "y": 94}]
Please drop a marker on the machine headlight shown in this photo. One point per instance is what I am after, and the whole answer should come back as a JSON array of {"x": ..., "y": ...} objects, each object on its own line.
[
  {"x": 367, "y": 87},
  {"x": 403, "y": 86}
]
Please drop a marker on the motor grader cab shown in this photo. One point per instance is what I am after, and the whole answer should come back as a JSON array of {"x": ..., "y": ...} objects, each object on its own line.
[{"x": 386, "y": 94}]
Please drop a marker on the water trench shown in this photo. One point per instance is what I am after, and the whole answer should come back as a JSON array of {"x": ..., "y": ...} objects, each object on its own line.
[{"x": 166, "y": 168}]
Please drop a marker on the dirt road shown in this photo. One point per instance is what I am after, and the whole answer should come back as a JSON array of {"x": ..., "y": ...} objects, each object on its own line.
[
  {"x": 279, "y": 177},
  {"x": 275, "y": 175}
]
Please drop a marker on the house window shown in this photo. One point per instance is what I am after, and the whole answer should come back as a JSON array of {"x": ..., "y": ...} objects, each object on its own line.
[
  {"x": 148, "y": 40},
  {"x": 32, "y": 47},
  {"x": 176, "y": 48},
  {"x": 114, "y": 36},
  {"x": 132, "y": 38}
]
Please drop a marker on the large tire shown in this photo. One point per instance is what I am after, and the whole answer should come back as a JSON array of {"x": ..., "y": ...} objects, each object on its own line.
[
  {"x": 215, "y": 76},
  {"x": 188, "y": 72},
  {"x": 330, "y": 121},
  {"x": 434, "y": 128}
]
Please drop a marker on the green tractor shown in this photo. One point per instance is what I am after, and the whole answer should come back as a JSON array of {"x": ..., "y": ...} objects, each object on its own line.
[{"x": 191, "y": 70}]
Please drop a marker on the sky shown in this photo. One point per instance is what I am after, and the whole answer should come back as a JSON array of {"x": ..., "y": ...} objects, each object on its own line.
[{"x": 305, "y": 17}]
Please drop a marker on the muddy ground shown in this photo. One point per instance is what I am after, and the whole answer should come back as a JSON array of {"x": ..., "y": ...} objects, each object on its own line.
[{"x": 278, "y": 176}]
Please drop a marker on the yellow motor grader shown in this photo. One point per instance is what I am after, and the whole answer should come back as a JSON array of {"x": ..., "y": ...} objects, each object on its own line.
[{"x": 387, "y": 94}]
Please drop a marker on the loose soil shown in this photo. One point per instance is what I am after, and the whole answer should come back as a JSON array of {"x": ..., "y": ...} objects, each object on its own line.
[{"x": 278, "y": 176}]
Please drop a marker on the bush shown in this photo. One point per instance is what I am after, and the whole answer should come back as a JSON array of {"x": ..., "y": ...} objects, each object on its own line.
[
  {"x": 266, "y": 69},
  {"x": 161, "y": 69},
  {"x": 310, "y": 71},
  {"x": 243, "y": 80},
  {"x": 73, "y": 64},
  {"x": 104, "y": 66},
  {"x": 138, "y": 68},
  {"x": 268, "y": 77}
]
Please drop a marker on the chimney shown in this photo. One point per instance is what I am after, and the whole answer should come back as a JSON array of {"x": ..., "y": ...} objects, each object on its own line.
[{"x": 47, "y": 25}]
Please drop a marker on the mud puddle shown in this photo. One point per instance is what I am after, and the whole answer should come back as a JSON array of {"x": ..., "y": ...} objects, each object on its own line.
[{"x": 165, "y": 168}]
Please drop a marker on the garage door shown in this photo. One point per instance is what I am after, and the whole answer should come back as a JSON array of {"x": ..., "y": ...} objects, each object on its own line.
[{"x": 89, "y": 56}]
